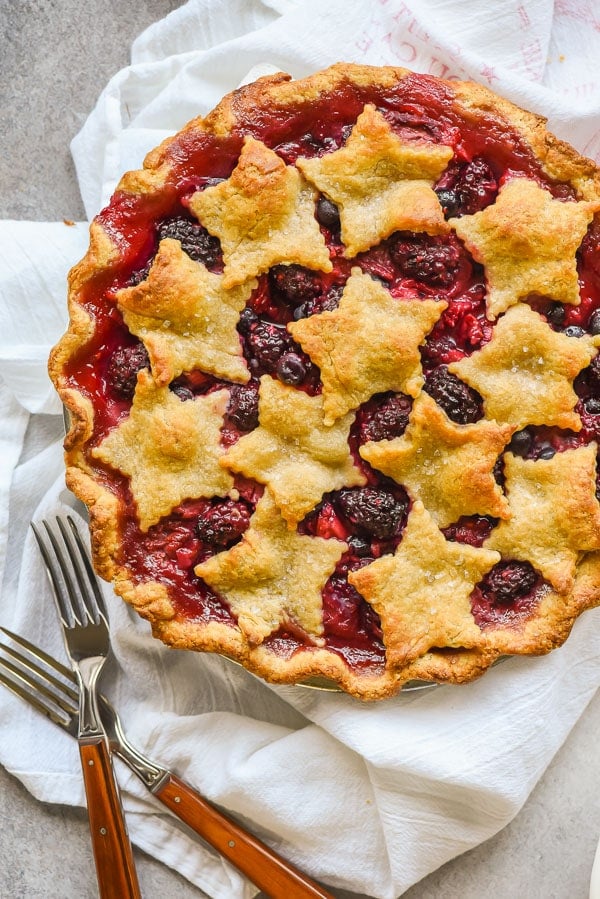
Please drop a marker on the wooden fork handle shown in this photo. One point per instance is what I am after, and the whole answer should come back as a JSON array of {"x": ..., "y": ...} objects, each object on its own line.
[
  {"x": 115, "y": 868},
  {"x": 261, "y": 865}
]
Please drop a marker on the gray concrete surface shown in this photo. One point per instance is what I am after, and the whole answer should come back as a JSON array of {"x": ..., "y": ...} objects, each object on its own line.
[{"x": 55, "y": 57}]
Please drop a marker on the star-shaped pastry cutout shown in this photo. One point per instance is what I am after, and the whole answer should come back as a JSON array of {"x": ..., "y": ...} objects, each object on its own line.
[
  {"x": 555, "y": 515},
  {"x": 421, "y": 593},
  {"x": 527, "y": 242},
  {"x": 293, "y": 452},
  {"x": 525, "y": 373},
  {"x": 264, "y": 215},
  {"x": 380, "y": 183},
  {"x": 169, "y": 449},
  {"x": 368, "y": 345},
  {"x": 274, "y": 576},
  {"x": 448, "y": 466},
  {"x": 186, "y": 318}
]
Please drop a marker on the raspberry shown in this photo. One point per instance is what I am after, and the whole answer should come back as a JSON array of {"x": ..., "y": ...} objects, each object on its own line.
[
  {"x": 460, "y": 402},
  {"x": 341, "y": 603},
  {"x": 223, "y": 522},
  {"x": 467, "y": 189},
  {"x": 123, "y": 368},
  {"x": 384, "y": 418},
  {"x": 266, "y": 343},
  {"x": 508, "y": 581},
  {"x": 242, "y": 408},
  {"x": 379, "y": 513},
  {"x": 194, "y": 239},
  {"x": 424, "y": 258},
  {"x": 294, "y": 283},
  {"x": 470, "y": 529}
]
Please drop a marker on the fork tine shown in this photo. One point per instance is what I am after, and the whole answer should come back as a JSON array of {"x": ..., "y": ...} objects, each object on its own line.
[
  {"x": 60, "y": 707},
  {"x": 84, "y": 572},
  {"x": 60, "y": 575},
  {"x": 40, "y": 655}
]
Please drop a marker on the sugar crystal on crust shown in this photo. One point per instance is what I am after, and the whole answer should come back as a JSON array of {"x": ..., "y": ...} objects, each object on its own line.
[
  {"x": 380, "y": 183},
  {"x": 525, "y": 373},
  {"x": 169, "y": 449},
  {"x": 186, "y": 318},
  {"x": 450, "y": 467},
  {"x": 264, "y": 215},
  {"x": 555, "y": 516},
  {"x": 421, "y": 593},
  {"x": 369, "y": 344},
  {"x": 274, "y": 576},
  {"x": 526, "y": 242},
  {"x": 293, "y": 451}
]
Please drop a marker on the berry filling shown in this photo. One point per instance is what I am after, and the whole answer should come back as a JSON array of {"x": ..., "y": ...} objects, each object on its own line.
[{"x": 369, "y": 519}]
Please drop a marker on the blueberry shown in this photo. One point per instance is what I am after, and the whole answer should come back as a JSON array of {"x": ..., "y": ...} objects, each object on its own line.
[
  {"x": 521, "y": 442},
  {"x": 328, "y": 214},
  {"x": 594, "y": 323},
  {"x": 291, "y": 369},
  {"x": 449, "y": 201},
  {"x": 592, "y": 405},
  {"x": 460, "y": 402},
  {"x": 247, "y": 318},
  {"x": 574, "y": 331},
  {"x": 556, "y": 314},
  {"x": 183, "y": 392},
  {"x": 545, "y": 451}
]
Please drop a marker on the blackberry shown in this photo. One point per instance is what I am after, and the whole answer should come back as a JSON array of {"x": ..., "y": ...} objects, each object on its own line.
[
  {"x": 242, "y": 408},
  {"x": 460, "y": 402},
  {"x": 223, "y": 523},
  {"x": 266, "y": 343},
  {"x": 123, "y": 368},
  {"x": 468, "y": 188},
  {"x": 377, "y": 512},
  {"x": 507, "y": 581},
  {"x": 328, "y": 214},
  {"x": 424, "y": 258},
  {"x": 194, "y": 239},
  {"x": 324, "y": 303},
  {"x": 294, "y": 283},
  {"x": 384, "y": 419}
]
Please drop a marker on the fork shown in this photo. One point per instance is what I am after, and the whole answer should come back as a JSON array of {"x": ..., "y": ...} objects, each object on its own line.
[
  {"x": 59, "y": 702},
  {"x": 85, "y": 629}
]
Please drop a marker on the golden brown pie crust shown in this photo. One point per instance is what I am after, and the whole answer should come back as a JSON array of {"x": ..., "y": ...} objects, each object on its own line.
[{"x": 422, "y": 640}]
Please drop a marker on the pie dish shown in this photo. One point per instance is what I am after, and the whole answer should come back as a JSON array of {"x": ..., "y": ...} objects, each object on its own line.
[{"x": 334, "y": 387}]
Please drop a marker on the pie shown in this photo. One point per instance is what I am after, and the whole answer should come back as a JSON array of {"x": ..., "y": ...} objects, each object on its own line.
[{"x": 332, "y": 369}]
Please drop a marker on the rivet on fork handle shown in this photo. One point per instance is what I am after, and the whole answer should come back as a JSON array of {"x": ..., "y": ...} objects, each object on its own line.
[{"x": 107, "y": 826}]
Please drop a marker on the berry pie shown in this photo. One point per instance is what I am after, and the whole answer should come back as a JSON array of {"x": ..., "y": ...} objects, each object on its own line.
[{"x": 332, "y": 369}]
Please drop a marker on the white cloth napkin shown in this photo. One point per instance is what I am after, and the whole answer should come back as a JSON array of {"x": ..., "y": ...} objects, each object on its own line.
[{"x": 367, "y": 797}]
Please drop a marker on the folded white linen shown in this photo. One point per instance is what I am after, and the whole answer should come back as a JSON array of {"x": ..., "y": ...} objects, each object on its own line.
[{"x": 369, "y": 798}]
